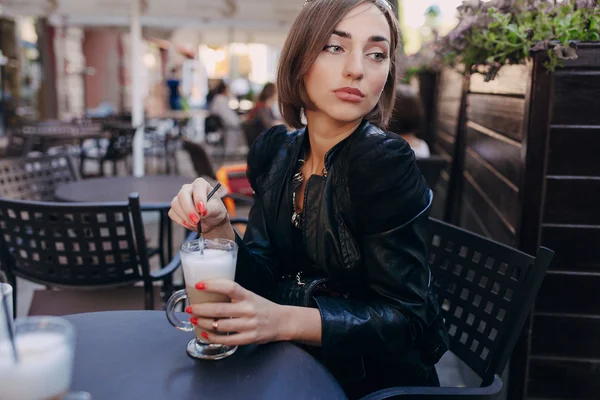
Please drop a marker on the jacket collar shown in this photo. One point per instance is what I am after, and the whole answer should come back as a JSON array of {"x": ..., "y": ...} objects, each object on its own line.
[{"x": 302, "y": 143}]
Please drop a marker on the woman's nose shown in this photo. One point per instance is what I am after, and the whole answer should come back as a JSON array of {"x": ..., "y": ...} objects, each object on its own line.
[{"x": 354, "y": 68}]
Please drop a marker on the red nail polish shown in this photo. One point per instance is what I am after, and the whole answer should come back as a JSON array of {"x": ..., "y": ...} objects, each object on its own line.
[
  {"x": 204, "y": 335},
  {"x": 200, "y": 285},
  {"x": 194, "y": 321},
  {"x": 201, "y": 209},
  {"x": 185, "y": 223},
  {"x": 188, "y": 309},
  {"x": 194, "y": 219}
]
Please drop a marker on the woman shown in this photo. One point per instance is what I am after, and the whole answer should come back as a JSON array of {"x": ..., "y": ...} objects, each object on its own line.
[
  {"x": 338, "y": 199},
  {"x": 261, "y": 117},
  {"x": 232, "y": 131},
  {"x": 407, "y": 119}
]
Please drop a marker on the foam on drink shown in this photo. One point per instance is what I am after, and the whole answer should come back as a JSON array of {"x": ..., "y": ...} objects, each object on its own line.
[
  {"x": 197, "y": 267},
  {"x": 44, "y": 370}
]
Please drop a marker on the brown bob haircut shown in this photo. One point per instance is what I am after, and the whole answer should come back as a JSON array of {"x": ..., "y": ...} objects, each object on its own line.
[{"x": 308, "y": 35}]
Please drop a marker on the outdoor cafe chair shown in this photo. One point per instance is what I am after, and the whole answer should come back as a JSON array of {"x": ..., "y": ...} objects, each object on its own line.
[
  {"x": 117, "y": 148},
  {"x": 91, "y": 256},
  {"x": 431, "y": 168},
  {"x": 35, "y": 178},
  {"x": 19, "y": 145},
  {"x": 486, "y": 291}
]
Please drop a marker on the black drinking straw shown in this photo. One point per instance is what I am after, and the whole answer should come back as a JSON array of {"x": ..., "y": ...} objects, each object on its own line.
[
  {"x": 11, "y": 334},
  {"x": 211, "y": 194}
]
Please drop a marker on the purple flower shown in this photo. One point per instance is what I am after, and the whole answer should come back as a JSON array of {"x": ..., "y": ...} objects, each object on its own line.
[
  {"x": 500, "y": 4},
  {"x": 465, "y": 25},
  {"x": 585, "y": 3},
  {"x": 540, "y": 46},
  {"x": 469, "y": 4},
  {"x": 565, "y": 52}
]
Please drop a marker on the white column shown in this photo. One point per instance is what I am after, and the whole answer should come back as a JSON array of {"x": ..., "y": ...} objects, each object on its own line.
[{"x": 137, "y": 97}]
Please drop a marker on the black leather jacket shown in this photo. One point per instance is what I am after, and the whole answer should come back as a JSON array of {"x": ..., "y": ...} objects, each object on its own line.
[{"x": 367, "y": 233}]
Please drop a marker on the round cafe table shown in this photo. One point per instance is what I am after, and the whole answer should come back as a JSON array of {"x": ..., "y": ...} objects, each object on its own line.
[
  {"x": 156, "y": 191},
  {"x": 138, "y": 355}
]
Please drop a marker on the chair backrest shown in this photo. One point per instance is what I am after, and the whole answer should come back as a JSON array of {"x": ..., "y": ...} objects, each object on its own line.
[
  {"x": 18, "y": 144},
  {"x": 73, "y": 244},
  {"x": 200, "y": 159},
  {"x": 234, "y": 178},
  {"x": 120, "y": 143},
  {"x": 432, "y": 167},
  {"x": 35, "y": 178},
  {"x": 486, "y": 290},
  {"x": 253, "y": 129},
  {"x": 213, "y": 123}
]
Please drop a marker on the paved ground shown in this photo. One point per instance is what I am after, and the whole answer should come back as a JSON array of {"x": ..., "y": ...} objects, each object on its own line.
[{"x": 448, "y": 367}]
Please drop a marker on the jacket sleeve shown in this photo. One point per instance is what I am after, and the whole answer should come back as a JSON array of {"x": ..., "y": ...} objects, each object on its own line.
[
  {"x": 390, "y": 201},
  {"x": 258, "y": 260}
]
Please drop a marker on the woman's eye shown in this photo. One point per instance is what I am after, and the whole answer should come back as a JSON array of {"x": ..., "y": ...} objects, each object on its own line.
[
  {"x": 379, "y": 57},
  {"x": 332, "y": 48}
]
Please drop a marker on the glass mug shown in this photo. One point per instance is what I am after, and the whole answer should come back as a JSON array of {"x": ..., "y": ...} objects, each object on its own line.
[
  {"x": 46, "y": 348},
  {"x": 217, "y": 261},
  {"x": 7, "y": 292}
]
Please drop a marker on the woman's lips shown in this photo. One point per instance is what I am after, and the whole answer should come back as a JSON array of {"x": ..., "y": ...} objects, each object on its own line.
[{"x": 346, "y": 96}]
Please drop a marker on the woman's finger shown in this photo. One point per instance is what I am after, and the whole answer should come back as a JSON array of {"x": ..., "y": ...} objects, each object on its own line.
[
  {"x": 232, "y": 289},
  {"x": 219, "y": 310},
  {"x": 224, "y": 325},
  {"x": 200, "y": 190},
  {"x": 236, "y": 339},
  {"x": 177, "y": 214},
  {"x": 186, "y": 203}
]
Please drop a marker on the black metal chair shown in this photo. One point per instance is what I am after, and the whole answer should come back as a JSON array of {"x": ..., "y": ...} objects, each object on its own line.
[
  {"x": 19, "y": 145},
  {"x": 432, "y": 167},
  {"x": 35, "y": 178},
  {"x": 160, "y": 148},
  {"x": 486, "y": 290},
  {"x": 80, "y": 249},
  {"x": 200, "y": 159},
  {"x": 118, "y": 148}
]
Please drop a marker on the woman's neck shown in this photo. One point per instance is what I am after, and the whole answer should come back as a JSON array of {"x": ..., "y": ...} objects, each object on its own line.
[{"x": 324, "y": 133}]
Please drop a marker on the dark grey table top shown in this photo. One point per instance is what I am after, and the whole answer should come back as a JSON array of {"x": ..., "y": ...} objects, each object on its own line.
[
  {"x": 156, "y": 191},
  {"x": 138, "y": 355}
]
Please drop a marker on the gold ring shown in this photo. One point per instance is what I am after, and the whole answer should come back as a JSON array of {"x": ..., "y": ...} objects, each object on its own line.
[{"x": 215, "y": 325}]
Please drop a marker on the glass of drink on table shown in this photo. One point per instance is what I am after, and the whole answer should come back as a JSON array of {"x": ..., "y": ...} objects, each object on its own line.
[
  {"x": 44, "y": 366},
  {"x": 6, "y": 291},
  {"x": 203, "y": 259}
]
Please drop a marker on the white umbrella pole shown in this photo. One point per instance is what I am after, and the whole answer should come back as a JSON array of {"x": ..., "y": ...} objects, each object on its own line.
[{"x": 137, "y": 99}]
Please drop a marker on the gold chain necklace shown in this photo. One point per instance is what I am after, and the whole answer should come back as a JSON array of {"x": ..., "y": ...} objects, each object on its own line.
[{"x": 299, "y": 178}]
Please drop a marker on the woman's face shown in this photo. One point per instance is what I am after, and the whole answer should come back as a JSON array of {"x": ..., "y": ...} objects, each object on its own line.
[{"x": 348, "y": 77}]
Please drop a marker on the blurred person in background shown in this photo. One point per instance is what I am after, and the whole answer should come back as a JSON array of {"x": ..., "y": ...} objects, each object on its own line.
[
  {"x": 262, "y": 116},
  {"x": 407, "y": 119},
  {"x": 218, "y": 105},
  {"x": 173, "y": 85}
]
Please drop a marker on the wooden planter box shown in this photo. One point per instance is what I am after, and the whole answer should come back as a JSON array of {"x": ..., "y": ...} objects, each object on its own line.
[
  {"x": 428, "y": 85},
  {"x": 449, "y": 93},
  {"x": 526, "y": 171}
]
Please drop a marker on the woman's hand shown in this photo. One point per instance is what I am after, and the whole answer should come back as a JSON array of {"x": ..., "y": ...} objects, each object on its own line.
[
  {"x": 249, "y": 318},
  {"x": 190, "y": 205}
]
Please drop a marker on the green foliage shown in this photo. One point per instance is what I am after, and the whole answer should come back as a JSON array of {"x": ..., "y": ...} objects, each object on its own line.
[{"x": 490, "y": 35}]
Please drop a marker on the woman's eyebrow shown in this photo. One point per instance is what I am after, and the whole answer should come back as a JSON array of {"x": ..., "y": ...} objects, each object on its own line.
[{"x": 346, "y": 35}]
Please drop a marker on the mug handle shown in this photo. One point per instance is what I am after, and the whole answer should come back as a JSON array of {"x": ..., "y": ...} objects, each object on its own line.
[{"x": 177, "y": 297}]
